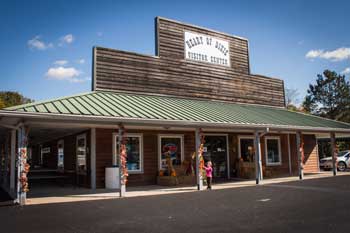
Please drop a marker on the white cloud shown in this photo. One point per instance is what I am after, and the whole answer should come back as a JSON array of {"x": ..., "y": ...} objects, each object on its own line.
[
  {"x": 67, "y": 39},
  {"x": 37, "y": 43},
  {"x": 63, "y": 73},
  {"x": 339, "y": 54},
  {"x": 80, "y": 80},
  {"x": 81, "y": 61},
  {"x": 61, "y": 62},
  {"x": 345, "y": 71}
]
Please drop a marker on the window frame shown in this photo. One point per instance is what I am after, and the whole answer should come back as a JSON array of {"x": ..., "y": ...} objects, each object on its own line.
[
  {"x": 278, "y": 138},
  {"x": 160, "y": 136},
  {"x": 116, "y": 151},
  {"x": 239, "y": 143}
]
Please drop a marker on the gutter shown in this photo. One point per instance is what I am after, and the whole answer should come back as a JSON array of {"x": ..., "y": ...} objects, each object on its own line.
[{"x": 161, "y": 122}]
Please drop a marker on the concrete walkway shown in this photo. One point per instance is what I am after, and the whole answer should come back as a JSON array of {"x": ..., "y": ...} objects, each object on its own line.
[{"x": 67, "y": 194}]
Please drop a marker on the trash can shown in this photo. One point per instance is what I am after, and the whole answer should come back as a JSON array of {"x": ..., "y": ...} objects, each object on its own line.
[{"x": 112, "y": 177}]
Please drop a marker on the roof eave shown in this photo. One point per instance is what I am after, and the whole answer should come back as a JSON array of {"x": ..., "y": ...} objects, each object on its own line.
[{"x": 161, "y": 122}]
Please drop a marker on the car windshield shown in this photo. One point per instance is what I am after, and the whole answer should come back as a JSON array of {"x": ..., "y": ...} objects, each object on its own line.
[{"x": 342, "y": 153}]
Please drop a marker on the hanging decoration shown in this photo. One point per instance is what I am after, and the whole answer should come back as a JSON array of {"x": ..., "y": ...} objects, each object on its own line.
[
  {"x": 200, "y": 153},
  {"x": 24, "y": 171},
  {"x": 123, "y": 156}
]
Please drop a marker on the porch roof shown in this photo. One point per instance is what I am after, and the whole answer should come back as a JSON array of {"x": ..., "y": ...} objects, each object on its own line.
[{"x": 122, "y": 107}]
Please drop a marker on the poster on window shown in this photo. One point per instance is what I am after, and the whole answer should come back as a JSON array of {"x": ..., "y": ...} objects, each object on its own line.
[{"x": 170, "y": 150}]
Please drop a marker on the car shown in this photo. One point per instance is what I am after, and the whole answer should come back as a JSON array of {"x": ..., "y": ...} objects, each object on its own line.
[{"x": 343, "y": 161}]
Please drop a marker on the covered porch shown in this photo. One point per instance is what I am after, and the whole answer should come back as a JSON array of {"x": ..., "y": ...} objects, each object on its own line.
[{"x": 103, "y": 129}]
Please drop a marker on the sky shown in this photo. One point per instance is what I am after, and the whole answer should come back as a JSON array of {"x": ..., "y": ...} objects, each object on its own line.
[{"x": 46, "y": 46}]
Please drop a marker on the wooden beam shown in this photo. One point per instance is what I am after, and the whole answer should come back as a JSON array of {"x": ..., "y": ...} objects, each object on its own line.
[
  {"x": 258, "y": 164},
  {"x": 334, "y": 154},
  {"x": 299, "y": 153}
]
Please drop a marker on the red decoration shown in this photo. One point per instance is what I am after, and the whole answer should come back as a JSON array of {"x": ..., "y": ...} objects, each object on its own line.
[
  {"x": 25, "y": 169},
  {"x": 123, "y": 157},
  {"x": 200, "y": 152}
]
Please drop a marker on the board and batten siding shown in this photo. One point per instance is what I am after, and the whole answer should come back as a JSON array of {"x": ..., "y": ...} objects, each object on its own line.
[{"x": 170, "y": 73}]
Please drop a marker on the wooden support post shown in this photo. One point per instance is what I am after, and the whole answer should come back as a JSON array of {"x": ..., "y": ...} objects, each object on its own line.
[
  {"x": 299, "y": 153},
  {"x": 198, "y": 173},
  {"x": 334, "y": 154},
  {"x": 258, "y": 164},
  {"x": 93, "y": 157},
  {"x": 21, "y": 160},
  {"x": 289, "y": 155},
  {"x": 122, "y": 185},
  {"x": 13, "y": 161}
]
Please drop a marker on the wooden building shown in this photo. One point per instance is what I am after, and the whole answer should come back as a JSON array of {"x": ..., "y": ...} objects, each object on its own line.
[{"x": 195, "y": 99}]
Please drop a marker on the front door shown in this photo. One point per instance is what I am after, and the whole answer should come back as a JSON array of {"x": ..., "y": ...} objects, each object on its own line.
[{"x": 215, "y": 150}]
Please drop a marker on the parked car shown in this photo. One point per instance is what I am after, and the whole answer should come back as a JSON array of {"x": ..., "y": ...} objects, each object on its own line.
[{"x": 343, "y": 160}]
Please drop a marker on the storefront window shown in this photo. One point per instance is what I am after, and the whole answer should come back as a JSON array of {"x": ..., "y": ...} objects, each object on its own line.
[
  {"x": 134, "y": 152},
  {"x": 81, "y": 154},
  {"x": 247, "y": 149},
  {"x": 171, "y": 150},
  {"x": 273, "y": 150}
]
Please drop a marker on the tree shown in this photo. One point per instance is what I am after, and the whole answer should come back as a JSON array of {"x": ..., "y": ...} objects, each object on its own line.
[
  {"x": 2, "y": 104},
  {"x": 10, "y": 98},
  {"x": 329, "y": 97},
  {"x": 291, "y": 98}
]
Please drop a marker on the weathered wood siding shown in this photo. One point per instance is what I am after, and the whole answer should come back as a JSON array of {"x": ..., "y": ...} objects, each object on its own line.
[
  {"x": 311, "y": 160},
  {"x": 171, "y": 74}
]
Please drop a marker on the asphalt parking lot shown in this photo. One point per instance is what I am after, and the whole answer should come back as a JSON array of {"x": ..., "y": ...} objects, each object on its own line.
[{"x": 319, "y": 205}]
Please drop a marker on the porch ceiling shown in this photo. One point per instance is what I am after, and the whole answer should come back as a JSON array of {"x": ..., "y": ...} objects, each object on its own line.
[
  {"x": 38, "y": 135},
  {"x": 122, "y": 107}
]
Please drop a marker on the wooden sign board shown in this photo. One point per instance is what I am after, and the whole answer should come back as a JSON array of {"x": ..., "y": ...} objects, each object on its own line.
[{"x": 222, "y": 73}]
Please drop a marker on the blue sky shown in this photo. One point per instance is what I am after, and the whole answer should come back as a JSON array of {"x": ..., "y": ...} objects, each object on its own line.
[{"x": 46, "y": 46}]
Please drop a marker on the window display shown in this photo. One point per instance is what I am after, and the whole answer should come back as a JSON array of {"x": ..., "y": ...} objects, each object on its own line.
[
  {"x": 273, "y": 150},
  {"x": 133, "y": 150},
  {"x": 247, "y": 149},
  {"x": 170, "y": 148}
]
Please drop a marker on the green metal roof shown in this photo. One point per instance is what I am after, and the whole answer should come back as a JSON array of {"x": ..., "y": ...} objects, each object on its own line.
[{"x": 152, "y": 107}]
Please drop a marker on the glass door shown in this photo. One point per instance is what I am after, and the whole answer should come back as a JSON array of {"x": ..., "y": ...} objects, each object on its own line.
[{"x": 215, "y": 150}]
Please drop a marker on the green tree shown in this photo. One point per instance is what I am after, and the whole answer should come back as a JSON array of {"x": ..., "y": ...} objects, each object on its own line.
[
  {"x": 10, "y": 98},
  {"x": 329, "y": 97}
]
